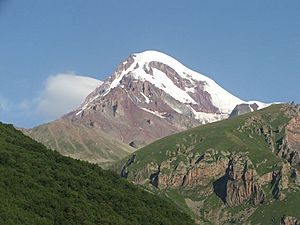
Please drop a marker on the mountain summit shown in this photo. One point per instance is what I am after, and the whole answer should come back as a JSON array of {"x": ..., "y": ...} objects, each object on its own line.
[{"x": 151, "y": 95}]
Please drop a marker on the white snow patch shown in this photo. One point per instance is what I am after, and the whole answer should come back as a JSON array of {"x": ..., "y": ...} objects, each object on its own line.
[
  {"x": 175, "y": 109},
  {"x": 156, "y": 113},
  {"x": 208, "y": 117},
  {"x": 191, "y": 89},
  {"x": 137, "y": 99},
  {"x": 106, "y": 92},
  {"x": 146, "y": 98},
  {"x": 82, "y": 109}
]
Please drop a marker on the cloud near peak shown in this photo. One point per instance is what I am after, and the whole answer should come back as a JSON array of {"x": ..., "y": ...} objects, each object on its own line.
[{"x": 63, "y": 93}]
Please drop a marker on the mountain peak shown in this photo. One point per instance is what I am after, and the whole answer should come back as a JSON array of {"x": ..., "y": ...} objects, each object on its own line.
[
  {"x": 171, "y": 76},
  {"x": 150, "y": 95},
  {"x": 149, "y": 56},
  {"x": 157, "y": 56}
]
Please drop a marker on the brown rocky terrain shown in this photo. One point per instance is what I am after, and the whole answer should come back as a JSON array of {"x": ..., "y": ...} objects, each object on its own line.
[
  {"x": 118, "y": 115},
  {"x": 80, "y": 142}
]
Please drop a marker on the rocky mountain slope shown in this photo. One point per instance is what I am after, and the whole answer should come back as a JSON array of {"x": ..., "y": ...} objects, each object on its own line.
[
  {"x": 80, "y": 142},
  {"x": 243, "y": 170},
  {"x": 39, "y": 186},
  {"x": 149, "y": 96}
]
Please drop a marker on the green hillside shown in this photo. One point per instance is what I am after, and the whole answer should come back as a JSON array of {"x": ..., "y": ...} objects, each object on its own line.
[
  {"x": 39, "y": 186},
  {"x": 237, "y": 171}
]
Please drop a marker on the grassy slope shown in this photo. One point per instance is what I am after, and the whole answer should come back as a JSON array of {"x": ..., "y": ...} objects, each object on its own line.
[
  {"x": 225, "y": 136},
  {"x": 80, "y": 142},
  {"x": 272, "y": 213},
  {"x": 39, "y": 186},
  {"x": 221, "y": 136}
]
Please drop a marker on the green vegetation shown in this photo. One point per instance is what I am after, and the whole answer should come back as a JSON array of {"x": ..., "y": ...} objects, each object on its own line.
[
  {"x": 221, "y": 136},
  {"x": 272, "y": 213},
  {"x": 39, "y": 186},
  {"x": 179, "y": 199},
  {"x": 257, "y": 136}
]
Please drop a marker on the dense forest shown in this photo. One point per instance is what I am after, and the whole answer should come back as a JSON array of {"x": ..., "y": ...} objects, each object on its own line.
[{"x": 39, "y": 186}]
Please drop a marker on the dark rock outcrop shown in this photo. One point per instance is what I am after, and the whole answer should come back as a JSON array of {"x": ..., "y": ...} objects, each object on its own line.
[
  {"x": 243, "y": 108},
  {"x": 280, "y": 181},
  {"x": 124, "y": 171},
  {"x": 288, "y": 220}
]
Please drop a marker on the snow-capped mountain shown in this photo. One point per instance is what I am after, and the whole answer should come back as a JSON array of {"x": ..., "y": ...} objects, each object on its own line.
[{"x": 151, "y": 95}]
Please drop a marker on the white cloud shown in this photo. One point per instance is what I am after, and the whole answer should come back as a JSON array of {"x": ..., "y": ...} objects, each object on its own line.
[{"x": 63, "y": 93}]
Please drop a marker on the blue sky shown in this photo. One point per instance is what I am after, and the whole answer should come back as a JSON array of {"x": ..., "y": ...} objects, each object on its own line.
[{"x": 251, "y": 48}]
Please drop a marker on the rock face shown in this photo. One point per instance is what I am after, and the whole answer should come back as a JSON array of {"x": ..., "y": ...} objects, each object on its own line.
[
  {"x": 124, "y": 172},
  {"x": 197, "y": 171},
  {"x": 205, "y": 172},
  {"x": 234, "y": 178},
  {"x": 295, "y": 174},
  {"x": 242, "y": 183},
  {"x": 288, "y": 220},
  {"x": 243, "y": 108},
  {"x": 293, "y": 140}
]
